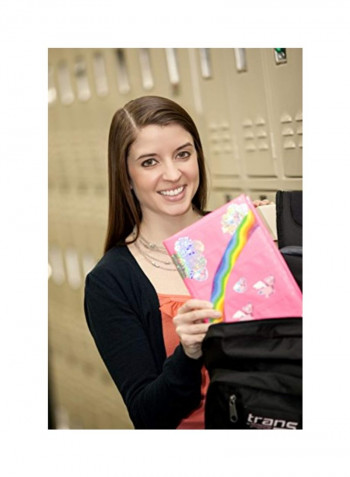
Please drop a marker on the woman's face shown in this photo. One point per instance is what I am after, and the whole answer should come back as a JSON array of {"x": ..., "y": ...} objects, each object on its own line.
[{"x": 163, "y": 170}]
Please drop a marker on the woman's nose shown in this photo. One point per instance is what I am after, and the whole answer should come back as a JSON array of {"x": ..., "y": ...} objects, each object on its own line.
[{"x": 171, "y": 172}]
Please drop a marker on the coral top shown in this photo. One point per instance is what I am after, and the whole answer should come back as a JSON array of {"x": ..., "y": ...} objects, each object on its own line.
[{"x": 169, "y": 304}]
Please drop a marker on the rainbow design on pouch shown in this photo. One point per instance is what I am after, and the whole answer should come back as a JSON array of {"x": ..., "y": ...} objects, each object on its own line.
[{"x": 228, "y": 261}]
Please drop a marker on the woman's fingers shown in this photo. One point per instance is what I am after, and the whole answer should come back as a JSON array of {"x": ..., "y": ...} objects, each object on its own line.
[
  {"x": 193, "y": 304},
  {"x": 196, "y": 315},
  {"x": 194, "y": 309},
  {"x": 258, "y": 202},
  {"x": 193, "y": 329},
  {"x": 191, "y": 326}
]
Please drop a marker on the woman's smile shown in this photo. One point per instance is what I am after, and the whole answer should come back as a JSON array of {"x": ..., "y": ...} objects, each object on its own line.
[{"x": 173, "y": 193}]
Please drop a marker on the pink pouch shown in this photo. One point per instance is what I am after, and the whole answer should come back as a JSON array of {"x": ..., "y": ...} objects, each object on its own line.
[{"x": 229, "y": 258}]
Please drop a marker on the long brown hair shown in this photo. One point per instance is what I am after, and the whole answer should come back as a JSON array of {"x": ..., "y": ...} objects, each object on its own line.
[{"x": 124, "y": 208}]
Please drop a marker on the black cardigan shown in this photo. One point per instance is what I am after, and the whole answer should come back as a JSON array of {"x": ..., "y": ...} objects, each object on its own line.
[{"x": 122, "y": 312}]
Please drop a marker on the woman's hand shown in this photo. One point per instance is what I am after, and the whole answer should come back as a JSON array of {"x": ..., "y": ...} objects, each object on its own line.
[
  {"x": 259, "y": 202},
  {"x": 189, "y": 325}
]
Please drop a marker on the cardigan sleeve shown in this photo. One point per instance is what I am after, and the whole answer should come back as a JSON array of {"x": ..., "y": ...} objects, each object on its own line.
[{"x": 155, "y": 398}]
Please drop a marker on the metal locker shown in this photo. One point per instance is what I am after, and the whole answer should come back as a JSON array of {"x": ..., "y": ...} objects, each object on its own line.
[
  {"x": 219, "y": 133},
  {"x": 249, "y": 110},
  {"x": 284, "y": 94}
]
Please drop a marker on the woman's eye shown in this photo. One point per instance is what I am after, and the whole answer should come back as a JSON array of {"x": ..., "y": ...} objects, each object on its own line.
[
  {"x": 148, "y": 162},
  {"x": 183, "y": 154}
]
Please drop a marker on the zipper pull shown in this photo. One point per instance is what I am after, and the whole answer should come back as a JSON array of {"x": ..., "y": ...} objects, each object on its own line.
[{"x": 233, "y": 408}]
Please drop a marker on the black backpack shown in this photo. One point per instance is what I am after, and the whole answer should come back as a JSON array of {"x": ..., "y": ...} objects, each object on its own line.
[
  {"x": 289, "y": 224},
  {"x": 255, "y": 370}
]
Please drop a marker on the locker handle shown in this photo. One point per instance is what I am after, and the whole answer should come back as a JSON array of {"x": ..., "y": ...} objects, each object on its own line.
[
  {"x": 100, "y": 74},
  {"x": 72, "y": 267},
  {"x": 56, "y": 265},
  {"x": 82, "y": 79},
  {"x": 204, "y": 55},
  {"x": 241, "y": 59},
  {"x": 173, "y": 70},
  {"x": 123, "y": 80},
  {"x": 52, "y": 93},
  {"x": 64, "y": 83},
  {"x": 146, "y": 70}
]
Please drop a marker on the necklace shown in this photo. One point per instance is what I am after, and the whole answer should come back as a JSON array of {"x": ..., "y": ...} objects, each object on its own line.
[
  {"x": 152, "y": 246},
  {"x": 144, "y": 246}
]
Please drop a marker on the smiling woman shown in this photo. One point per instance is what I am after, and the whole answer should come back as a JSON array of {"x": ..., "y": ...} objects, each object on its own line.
[
  {"x": 147, "y": 329},
  {"x": 127, "y": 138}
]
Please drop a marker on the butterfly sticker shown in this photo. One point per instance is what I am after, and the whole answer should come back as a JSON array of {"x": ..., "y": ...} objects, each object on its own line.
[
  {"x": 240, "y": 286},
  {"x": 233, "y": 217},
  {"x": 190, "y": 255},
  {"x": 246, "y": 313},
  {"x": 265, "y": 287}
]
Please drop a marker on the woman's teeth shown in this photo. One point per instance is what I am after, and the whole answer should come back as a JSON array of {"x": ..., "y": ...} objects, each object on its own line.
[{"x": 172, "y": 192}]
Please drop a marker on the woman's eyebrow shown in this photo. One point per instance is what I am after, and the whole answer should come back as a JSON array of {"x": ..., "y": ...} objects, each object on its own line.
[
  {"x": 147, "y": 155},
  {"x": 184, "y": 145}
]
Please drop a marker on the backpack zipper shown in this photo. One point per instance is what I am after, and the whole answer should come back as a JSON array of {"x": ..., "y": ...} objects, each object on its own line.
[{"x": 233, "y": 408}]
